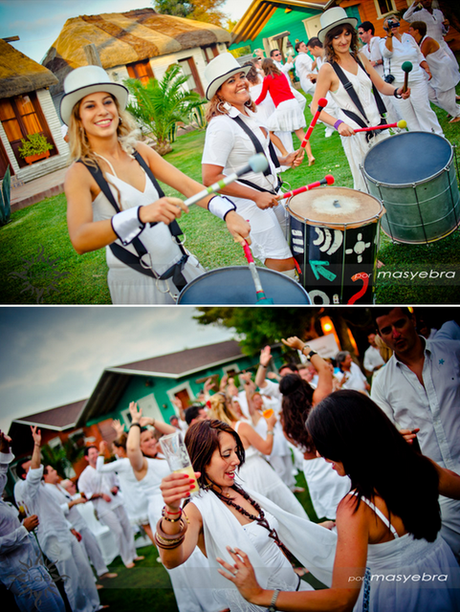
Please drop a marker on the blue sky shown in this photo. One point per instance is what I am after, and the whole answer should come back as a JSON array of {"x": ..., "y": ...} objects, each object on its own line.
[
  {"x": 52, "y": 356},
  {"x": 38, "y": 22}
]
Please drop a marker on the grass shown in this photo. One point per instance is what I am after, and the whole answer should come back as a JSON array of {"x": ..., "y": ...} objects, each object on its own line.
[
  {"x": 39, "y": 265},
  {"x": 147, "y": 588}
]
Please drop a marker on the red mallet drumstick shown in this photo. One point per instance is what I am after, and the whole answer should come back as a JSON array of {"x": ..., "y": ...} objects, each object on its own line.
[
  {"x": 400, "y": 124},
  {"x": 407, "y": 67},
  {"x": 261, "y": 297},
  {"x": 322, "y": 103},
  {"x": 327, "y": 180}
]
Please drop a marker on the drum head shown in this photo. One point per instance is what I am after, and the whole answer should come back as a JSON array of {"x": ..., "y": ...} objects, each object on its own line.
[
  {"x": 234, "y": 286},
  {"x": 411, "y": 157},
  {"x": 336, "y": 207}
]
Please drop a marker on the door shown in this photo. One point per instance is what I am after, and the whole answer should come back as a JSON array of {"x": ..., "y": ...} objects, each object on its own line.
[
  {"x": 312, "y": 26},
  {"x": 189, "y": 69}
]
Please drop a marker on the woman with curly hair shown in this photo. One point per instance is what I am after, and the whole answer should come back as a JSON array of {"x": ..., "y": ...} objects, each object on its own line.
[
  {"x": 362, "y": 107},
  {"x": 257, "y": 474},
  {"x": 389, "y": 553},
  {"x": 224, "y": 514},
  {"x": 115, "y": 201}
]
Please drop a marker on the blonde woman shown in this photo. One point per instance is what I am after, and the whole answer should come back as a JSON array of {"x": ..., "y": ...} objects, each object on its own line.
[
  {"x": 114, "y": 200},
  {"x": 256, "y": 474}
]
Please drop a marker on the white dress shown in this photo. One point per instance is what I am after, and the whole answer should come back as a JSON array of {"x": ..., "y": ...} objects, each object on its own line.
[
  {"x": 125, "y": 284},
  {"x": 189, "y": 580},
  {"x": 400, "y": 575},
  {"x": 356, "y": 147},
  {"x": 258, "y": 475},
  {"x": 325, "y": 486}
]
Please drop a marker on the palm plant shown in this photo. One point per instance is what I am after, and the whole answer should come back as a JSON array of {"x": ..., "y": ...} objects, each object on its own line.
[{"x": 160, "y": 105}]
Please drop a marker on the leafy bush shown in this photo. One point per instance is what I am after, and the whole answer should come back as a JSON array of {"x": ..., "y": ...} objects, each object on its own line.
[
  {"x": 160, "y": 105},
  {"x": 35, "y": 145},
  {"x": 5, "y": 198}
]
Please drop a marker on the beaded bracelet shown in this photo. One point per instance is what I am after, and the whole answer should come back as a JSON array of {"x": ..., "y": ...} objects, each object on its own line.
[{"x": 164, "y": 512}]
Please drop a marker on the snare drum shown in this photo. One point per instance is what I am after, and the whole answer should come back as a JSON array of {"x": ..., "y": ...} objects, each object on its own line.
[
  {"x": 234, "y": 285},
  {"x": 334, "y": 238},
  {"x": 414, "y": 176}
]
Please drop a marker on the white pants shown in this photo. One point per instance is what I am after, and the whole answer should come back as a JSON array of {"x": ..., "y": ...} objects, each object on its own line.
[
  {"x": 416, "y": 110},
  {"x": 445, "y": 100},
  {"x": 118, "y": 522},
  {"x": 93, "y": 551},
  {"x": 73, "y": 566}
]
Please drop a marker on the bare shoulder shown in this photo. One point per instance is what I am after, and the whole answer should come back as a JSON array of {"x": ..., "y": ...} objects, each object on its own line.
[{"x": 78, "y": 174}]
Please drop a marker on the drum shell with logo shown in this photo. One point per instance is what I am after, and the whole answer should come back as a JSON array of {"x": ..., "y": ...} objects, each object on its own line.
[
  {"x": 413, "y": 174},
  {"x": 334, "y": 238},
  {"x": 234, "y": 286}
]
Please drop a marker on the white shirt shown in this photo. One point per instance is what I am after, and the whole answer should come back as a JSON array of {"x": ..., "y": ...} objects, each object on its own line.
[
  {"x": 304, "y": 67},
  {"x": 406, "y": 50},
  {"x": 33, "y": 494},
  {"x": 90, "y": 482},
  {"x": 271, "y": 388},
  {"x": 355, "y": 378},
  {"x": 372, "y": 359},
  {"x": 372, "y": 51},
  {"x": 63, "y": 498},
  {"x": 227, "y": 145},
  {"x": 433, "y": 407},
  {"x": 283, "y": 67}
]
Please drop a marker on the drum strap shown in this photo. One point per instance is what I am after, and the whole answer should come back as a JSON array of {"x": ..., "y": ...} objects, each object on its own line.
[
  {"x": 257, "y": 145},
  {"x": 356, "y": 101},
  {"x": 130, "y": 259}
]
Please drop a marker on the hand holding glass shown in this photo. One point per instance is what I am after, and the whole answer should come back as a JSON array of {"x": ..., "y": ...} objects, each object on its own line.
[{"x": 175, "y": 451}]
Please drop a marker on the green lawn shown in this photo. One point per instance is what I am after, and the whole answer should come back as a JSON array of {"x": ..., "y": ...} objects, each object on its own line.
[{"x": 39, "y": 265}]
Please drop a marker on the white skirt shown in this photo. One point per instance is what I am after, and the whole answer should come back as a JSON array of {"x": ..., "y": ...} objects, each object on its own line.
[{"x": 287, "y": 117}]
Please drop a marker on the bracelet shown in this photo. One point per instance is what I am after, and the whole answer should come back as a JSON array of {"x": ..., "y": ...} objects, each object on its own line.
[
  {"x": 271, "y": 432},
  {"x": 220, "y": 206},
  {"x": 310, "y": 354},
  {"x": 127, "y": 224},
  {"x": 168, "y": 541},
  {"x": 170, "y": 520},
  {"x": 272, "y": 607},
  {"x": 135, "y": 425},
  {"x": 337, "y": 123},
  {"x": 261, "y": 365},
  {"x": 396, "y": 94},
  {"x": 171, "y": 513}
]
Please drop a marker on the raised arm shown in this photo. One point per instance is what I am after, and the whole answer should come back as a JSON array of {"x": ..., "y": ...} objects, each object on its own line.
[
  {"x": 250, "y": 435},
  {"x": 133, "y": 443},
  {"x": 265, "y": 356}
]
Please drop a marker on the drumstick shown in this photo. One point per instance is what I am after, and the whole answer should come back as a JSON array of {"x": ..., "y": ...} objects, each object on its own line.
[
  {"x": 256, "y": 163},
  {"x": 261, "y": 297},
  {"x": 327, "y": 180},
  {"x": 322, "y": 103},
  {"x": 407, "y": 67},
  {"x": 399, "y": 124}
]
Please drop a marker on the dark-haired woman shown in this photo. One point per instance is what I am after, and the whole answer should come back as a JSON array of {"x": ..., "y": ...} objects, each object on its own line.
[
  {"x": 340, "y": 41},
  {"x": 224, "y": 515},
  {"x": 387, "y": 526},
  {"x": 288, "y": 116}
]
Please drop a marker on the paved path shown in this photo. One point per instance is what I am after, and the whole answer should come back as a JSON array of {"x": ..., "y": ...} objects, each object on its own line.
[{"x": 35, "y": 191}]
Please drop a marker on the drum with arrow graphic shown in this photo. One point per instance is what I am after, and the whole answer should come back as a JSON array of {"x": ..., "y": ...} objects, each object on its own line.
[{"x": 334, "y": 235}]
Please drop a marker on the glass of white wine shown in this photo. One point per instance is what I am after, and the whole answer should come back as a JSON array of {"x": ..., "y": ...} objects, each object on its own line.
[{"x": 176, "y": 454}]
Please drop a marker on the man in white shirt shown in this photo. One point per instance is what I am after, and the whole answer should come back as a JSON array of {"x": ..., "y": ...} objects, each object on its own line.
[
  {"x": 68, "y": 506},
  {"x": 372, "y": 359},
  {"x": 351, "y": 375},
  {"x": 304, "y": 68},
  {"x": 419, "y": 388},
  {"x": 110, "y": 510},
  {"x": 56, "y": 536},
  {"x": 276, "y": 56}
]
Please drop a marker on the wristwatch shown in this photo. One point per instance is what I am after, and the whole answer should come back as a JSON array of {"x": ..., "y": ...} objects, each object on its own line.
[{"x": 310, "y": 354}]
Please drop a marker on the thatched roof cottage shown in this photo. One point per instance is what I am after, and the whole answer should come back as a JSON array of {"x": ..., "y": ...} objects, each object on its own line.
[
  {"x": 26, "y": 107},
  {"x": 136, "y": 44}
]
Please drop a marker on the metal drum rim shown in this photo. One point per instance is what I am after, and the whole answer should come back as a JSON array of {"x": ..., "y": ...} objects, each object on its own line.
[
  {"x": 422, "y": 181},
  {"x": 345, "y": 226},
  {"x": 259, "y": 268}
]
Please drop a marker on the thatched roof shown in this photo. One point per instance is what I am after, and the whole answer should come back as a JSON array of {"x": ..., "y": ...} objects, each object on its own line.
[
  {"x": 123, "y": 38},
  {"x": 19, "y": 74}
]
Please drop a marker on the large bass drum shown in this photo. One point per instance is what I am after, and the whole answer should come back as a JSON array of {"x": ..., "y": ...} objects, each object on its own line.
[
  {"x": 413, "y": 175},
  {"x": 234, "y": 286},
  {"x": 334, "y": 238}
]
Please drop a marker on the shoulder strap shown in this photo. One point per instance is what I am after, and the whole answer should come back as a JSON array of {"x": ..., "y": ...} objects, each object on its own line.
[
  {"x": 257, "y": 145},
  {"x": 378, "y": 100},
  {"x": 351, "y": 92},
  {"x": 379, "y": 513}
]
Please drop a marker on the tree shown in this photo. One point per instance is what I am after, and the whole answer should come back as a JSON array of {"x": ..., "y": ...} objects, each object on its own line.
[
  {"x": 160, "y": 105},
  {"x": 199, "y": 10},
  {"x": 177, "y": 8},
  {"x": 257, "y": 327}
]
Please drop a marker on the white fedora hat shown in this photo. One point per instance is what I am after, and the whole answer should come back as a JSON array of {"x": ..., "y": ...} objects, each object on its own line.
[
  {"x": 84, "y": 81},
  {"x": 332, "y": 18},
  {"x": 219, "y": 70}
]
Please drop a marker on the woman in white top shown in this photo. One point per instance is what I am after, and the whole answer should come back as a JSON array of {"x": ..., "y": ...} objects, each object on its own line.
[
  {"x": 389, "y": 553},
  {"x": 232, "y": 137},
  {"x": 396, "y": 49},
  {"x": 146, "y": 264},
  {"x": 340, "y": 41}
]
